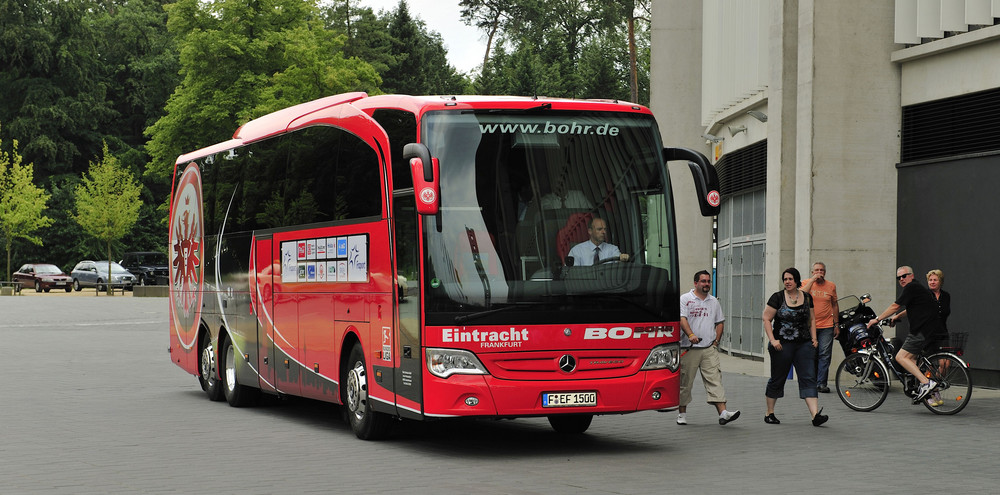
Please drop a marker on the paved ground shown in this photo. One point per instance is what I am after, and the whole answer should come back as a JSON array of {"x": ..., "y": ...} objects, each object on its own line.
[{"x": 91, "y": 404}]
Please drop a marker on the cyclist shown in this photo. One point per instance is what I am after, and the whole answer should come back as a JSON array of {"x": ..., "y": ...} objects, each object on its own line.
[{"x": 922, "y": 312}]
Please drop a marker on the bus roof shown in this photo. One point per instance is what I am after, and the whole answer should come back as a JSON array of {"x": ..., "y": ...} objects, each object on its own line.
[{"x": 283, "y": 120}]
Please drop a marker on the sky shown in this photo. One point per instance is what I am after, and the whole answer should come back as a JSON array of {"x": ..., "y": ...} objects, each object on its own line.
[{"x": 465, "y": 44}]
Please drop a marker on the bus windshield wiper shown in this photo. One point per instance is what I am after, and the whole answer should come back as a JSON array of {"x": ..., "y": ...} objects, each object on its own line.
[{"x": 480, "y": 314}]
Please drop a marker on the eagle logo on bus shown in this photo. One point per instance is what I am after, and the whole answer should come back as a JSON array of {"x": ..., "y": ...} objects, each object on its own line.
[
  {"x": 713, "y": 198},
  {"x": 186, "y": 267},
  {"x": 428, "y": 196}
]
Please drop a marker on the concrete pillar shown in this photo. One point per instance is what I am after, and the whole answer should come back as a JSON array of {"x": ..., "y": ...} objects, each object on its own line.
[
  {"x": 847, "y": 144},
  {"x": 781, "y": 142},
  {"x": 676, "y": 69}
]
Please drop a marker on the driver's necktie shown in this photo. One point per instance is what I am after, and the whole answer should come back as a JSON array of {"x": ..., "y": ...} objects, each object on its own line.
[{"x": 597, "y": 255}]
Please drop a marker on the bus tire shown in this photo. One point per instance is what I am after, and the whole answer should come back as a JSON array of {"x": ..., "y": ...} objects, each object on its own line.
[
  {"x": 366, "y": 423},
  {"x": 236, "y": 395},
  {"x": 207, "y": 371},
  {"x": 570, "y": 424}
]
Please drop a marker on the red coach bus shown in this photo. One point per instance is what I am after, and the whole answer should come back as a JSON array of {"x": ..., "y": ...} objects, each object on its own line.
[{"x": 408, "y": 257}]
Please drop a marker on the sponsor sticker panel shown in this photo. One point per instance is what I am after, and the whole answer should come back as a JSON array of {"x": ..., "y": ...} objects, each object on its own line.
[{"x": 325, "y": 259}]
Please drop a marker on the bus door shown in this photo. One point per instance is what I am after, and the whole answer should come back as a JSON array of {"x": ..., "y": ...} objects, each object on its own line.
[
  {"x": 401, "y": 128},
  {"x": 407, "y": 378},
  {"x": 262, "y": 278}
]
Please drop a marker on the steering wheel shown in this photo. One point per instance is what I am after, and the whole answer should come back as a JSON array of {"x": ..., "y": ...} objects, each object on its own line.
[{"x": 613, "y": 259}]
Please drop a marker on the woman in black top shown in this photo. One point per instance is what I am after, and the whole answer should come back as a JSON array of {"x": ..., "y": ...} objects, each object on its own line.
[
  {"x": 935, "y": 279},
  {"x": 790, "y": 326}
]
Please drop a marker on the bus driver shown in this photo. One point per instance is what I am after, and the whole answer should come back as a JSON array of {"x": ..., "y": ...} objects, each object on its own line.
[{"x": 595, "y": 250}]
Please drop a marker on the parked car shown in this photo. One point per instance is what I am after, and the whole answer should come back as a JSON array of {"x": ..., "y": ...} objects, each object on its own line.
[
  {"x": 149, "y": 268},
  {"x": 41, "y": 276},
  {"x": 95, "y": 274}
]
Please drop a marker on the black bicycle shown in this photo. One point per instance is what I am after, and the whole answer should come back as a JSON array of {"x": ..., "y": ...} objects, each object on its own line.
[{"x": 863, "y": 377}]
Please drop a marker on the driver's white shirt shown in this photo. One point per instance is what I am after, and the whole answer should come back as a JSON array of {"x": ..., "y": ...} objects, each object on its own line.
[{"x": 583, "y": 253}]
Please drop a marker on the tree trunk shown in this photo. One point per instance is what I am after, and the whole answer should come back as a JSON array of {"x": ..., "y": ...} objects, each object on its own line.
[
  {"x": 108, "y": 280},
  {"x": 489, "y": 42},
  {"x": 632, "y": 62}
]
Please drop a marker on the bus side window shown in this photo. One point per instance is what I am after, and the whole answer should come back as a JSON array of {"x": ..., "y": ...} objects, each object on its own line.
[
  {"x": 332, "y": 175},
  {"x": 401, "y": 127}
]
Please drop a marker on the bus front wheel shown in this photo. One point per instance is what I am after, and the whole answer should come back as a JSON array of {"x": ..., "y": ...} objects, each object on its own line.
[
  {"x": 572, "y": 424},
  {"x": 366, "y": 423}
]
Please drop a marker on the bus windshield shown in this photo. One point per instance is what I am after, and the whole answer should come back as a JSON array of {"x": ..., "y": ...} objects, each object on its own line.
[{"x": 520, "y": 190}]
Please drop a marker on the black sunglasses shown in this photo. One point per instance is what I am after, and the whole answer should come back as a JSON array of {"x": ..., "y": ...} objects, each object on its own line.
[{"x": 901, "y": 277}]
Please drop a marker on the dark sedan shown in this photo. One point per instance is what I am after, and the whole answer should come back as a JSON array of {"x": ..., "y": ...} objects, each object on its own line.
[
  {"x": 149, "y": 268},
  {"x": 43, "y": 277}
]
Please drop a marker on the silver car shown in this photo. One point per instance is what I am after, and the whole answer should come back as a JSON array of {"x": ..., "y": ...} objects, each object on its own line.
[{"x": 95, "y": 274}]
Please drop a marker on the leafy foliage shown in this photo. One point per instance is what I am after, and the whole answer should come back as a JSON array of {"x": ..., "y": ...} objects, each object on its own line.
[
  {"x": 21, "y": 201},
  {"x": 240, "y": 60},
  {"x": 54, "y": 96},
  {"x": 563, "y": 48},
  {"x": 107, "y": 201}
]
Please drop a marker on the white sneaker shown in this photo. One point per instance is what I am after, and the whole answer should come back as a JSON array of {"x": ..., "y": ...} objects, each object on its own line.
[
  {"x": 924, "y": 390},
  {"x": 728, "y": 416},
  {"x": 682, "y": 419},
  {"x": 935, "y": 400}
]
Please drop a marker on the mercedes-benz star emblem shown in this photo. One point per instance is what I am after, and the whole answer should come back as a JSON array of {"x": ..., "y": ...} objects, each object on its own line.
[{"x": 567, "y": 363}]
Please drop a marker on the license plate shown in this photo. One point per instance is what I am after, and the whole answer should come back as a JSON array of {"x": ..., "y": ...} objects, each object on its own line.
[
  {"x": 569, "y": 399},
  {"x": 60, "y": 283}
]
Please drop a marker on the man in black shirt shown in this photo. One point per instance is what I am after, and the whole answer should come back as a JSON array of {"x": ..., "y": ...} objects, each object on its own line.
[{"x": 922, "y": 313}]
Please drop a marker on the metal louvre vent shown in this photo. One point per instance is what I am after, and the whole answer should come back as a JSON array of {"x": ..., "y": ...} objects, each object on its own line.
[
  {"x": 743, "y": 169},
  {"x": 960, "y": 125}
]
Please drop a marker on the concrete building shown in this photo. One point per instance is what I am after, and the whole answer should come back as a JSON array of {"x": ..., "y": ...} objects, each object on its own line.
[{"x": 860, "y": 133}]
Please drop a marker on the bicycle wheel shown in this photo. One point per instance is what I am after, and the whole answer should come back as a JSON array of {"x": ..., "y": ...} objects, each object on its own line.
[
  {"x": 862, "y": 382},
  {"x": 955, "y": 387}
]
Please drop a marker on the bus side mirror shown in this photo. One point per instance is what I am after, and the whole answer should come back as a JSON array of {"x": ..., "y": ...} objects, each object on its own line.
[
  {"x": 426, "y": 174},
  {"x": 706, "y": 178}
]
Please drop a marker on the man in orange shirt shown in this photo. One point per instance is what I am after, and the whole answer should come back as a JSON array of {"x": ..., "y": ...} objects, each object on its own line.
[{"x": 824, "y": 294}]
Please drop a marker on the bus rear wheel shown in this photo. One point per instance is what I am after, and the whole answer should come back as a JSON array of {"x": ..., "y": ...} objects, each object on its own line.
[
  {"x": 366, "y": 423},
  {"x": 206, "y": 369},
  {"x": 572, "y": 424},
  {"x": 237, "y": 395}
]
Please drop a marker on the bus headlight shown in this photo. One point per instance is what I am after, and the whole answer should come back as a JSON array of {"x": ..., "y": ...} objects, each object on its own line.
[
  {"x": 667, "y": 356},
  {"x": 447, "y": 362}
]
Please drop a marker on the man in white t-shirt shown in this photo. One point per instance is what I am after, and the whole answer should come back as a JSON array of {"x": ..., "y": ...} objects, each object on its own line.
[
  {"x": 595, "y": 250},
  {"x": 702, "y": 323}
]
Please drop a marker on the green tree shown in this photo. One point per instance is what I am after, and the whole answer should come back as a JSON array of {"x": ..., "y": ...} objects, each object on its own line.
[
  {"x": 407, "y": 74},
  {"x": 240, "y": 60},
  {"x": 564, "y": 48},
  {"x": 442, "y": 77},
  {"x": 367, "y": 36},
  {"x": 419, "y": 61},
  {"x": 602, "y": 76},
  {"x": 491, "y": 16},
  {"x": 21, "y": 201},
  {"x": 107, "y": 202},
  {"x": 139, "y": 67},
  {"x": 54, "y": 98},
  {"x": 77, "y": 73}
]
